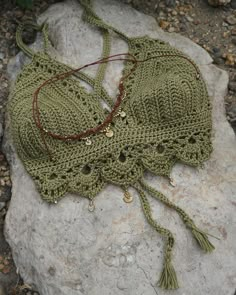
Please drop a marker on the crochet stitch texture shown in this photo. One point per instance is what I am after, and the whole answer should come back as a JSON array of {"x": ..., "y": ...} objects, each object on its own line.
[{"x": 168, "y": 119}]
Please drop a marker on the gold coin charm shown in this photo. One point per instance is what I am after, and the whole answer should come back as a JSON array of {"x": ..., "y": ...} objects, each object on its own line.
[
  {"x": 91, "y": 206},
  {"x": 88, "y": 141},
  {"x": 127, "y": 197},
  {"x": 109, "y": 133},
  {"x": 122, "y": 114}
]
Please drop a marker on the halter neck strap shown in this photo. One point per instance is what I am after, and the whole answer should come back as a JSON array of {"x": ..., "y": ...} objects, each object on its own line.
[
  {"x": 25, "y": 48},
  {"x": 91, "y": 17}
]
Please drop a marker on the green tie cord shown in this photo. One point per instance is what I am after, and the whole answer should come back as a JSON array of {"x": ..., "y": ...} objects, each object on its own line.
[
  {"x": 168, "y": 279},
  {"x": 200, "y": 236}
]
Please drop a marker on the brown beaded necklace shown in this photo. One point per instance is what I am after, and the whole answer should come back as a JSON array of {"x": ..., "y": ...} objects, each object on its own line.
[
  {"x": 101, "y": 127},
  {"x": 110, "y": 116}
]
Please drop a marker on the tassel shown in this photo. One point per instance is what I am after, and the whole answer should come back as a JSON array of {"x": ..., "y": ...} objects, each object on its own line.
[
  {"x": 202, "y": 240},
  {"x": 168, "y": 279}
]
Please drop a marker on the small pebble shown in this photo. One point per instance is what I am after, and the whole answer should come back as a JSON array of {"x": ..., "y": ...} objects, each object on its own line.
[
  {"x": 8, "y": 183},
  {"x": 2, "y": 205},
  {"x": 8, "y": 35},
  {"x": 171, "y": 30},
  {"x": 230, "y": 59},
  {"x": 5, "y": 61},
  {"x": 233, "y": 40},
  {"x": 232, "y": 86},
  {"x": 226, "y": 34},
  {"x": 4, "y": 84},
  {"x": 233, "y": 4},
  {"x": 170, "y": 3},
  {"x": 231, "y": 20},
  {"x": 164, "y": 24},
  {"x": 18, "y": 13},
  {"x": 216, "y": 50},
  {"x": 189, "y": 18},
  {"x": 218, "y": 61},
  {"x": 196, "y": 22},
  {"x": 183, "y": 27},
  {"x": 162, "y": 14},
  {"x": 6, "y": 269}
]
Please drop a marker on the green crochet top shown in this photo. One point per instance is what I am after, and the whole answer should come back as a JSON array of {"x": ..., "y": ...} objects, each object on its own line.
[{"x": 164, "y": 118}]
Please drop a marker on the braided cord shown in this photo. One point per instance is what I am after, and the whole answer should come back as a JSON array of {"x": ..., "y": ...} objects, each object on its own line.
[
  {"x": 199, "y": 235},
  {"x": 168, "y": 278}
]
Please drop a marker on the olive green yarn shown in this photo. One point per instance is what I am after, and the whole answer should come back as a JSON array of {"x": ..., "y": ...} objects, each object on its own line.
[
  {"x": 168, "y": 278},
  {"x": 200, "y": 236},
  {"x": 168, "y": 119}
]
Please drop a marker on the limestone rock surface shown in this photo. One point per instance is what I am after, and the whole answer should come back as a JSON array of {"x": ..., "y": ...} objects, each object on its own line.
[{"x": 64, "y": 249}]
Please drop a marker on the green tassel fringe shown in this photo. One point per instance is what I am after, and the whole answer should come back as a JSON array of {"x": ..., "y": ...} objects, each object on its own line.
[
  {"x": 202, "y": 240},
  {"x": 168, "y": 279}
]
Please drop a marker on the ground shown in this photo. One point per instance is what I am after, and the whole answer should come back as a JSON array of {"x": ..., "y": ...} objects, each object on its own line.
[{"x": 212, "y": 28}]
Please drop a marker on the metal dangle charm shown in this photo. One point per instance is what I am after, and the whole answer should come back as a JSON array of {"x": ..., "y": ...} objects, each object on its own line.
[
  {"x": 122, "y": 114},
  {"x": 88, "y": 141},
  {"x": 172, "y": 182},
  {"x": 91, "y": 206},
  {"x": 109, "y": 133},
  {"x": 127, "y": 197}
]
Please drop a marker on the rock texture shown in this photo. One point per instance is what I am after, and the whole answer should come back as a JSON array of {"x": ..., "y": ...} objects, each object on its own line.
[{"x": 65, "y": 250}]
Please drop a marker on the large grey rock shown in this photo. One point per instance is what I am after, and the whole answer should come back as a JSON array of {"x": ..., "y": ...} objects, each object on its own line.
[{"x": 65, "y": 250}]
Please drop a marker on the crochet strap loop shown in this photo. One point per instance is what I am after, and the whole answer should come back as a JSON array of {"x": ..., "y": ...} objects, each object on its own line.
[{"x": 40, "y": 28}]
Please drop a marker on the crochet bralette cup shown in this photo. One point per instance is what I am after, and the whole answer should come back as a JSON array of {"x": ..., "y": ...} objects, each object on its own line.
[{"x": 164, "y": 117}]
